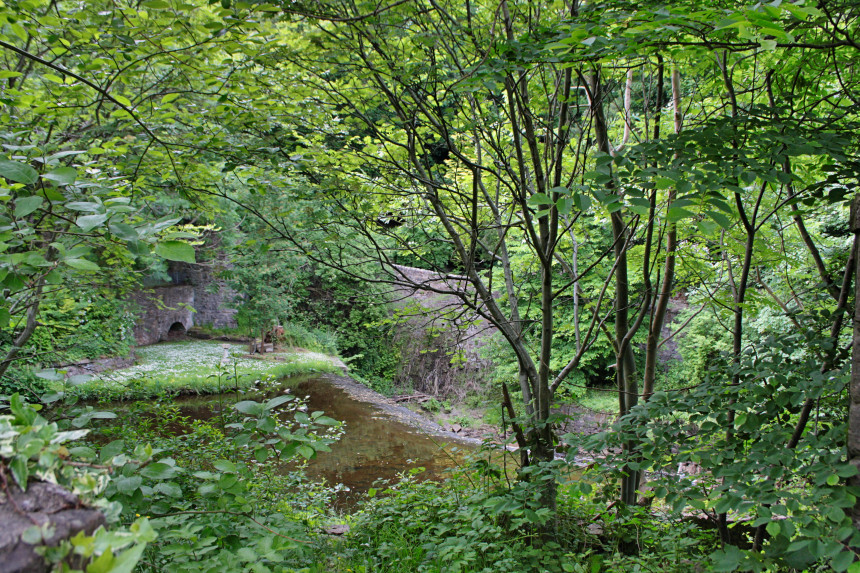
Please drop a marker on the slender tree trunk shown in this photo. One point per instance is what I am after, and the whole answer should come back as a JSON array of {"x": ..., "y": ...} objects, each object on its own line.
[
  {"x": 625, "y": 362},
  {"x": 29, "y": 327},
  {"x": 659, "y": 315},
  {"x": 854, "y": 388}
]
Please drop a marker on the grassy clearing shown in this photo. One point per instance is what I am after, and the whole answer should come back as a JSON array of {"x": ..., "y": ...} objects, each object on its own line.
[
  {"x": 194, "y": 367},
  {"x": 599, "y": 401}
]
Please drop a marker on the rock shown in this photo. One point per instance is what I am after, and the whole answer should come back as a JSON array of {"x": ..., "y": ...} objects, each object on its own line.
[
  {"x": 43, "y": 503},
  {"x": 456, "y": 428},
  {"x": 337, "y": 529}
]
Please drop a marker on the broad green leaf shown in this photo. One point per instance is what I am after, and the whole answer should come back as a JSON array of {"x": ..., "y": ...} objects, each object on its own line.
[
  {"x": 81, "y": 264},
  {"x": 169, "y": 489},
  {"x": 127, "y": 484},
  {"x": 89, "y": 222},
  {"x": 225, "y": 466},
  {"x": 539, "y": 199},
  {"x": 61, "y": 176},
  {"x": 261, "y": 454},
  {"x": 773, "y": 528},
  {"x": 159, "y": 471},
  {"x": 123, "y": 231},
  {"x": 277, "y": 401},
  {"x": 18, "y": 172},
  {"x": 175, "y": 251},
  {"x": 249, "y": 407},
  {"x": 20, "y": 471},
  {"x": 122, "y": 100},
  {"x": 169, "y": 98},
  {"x": 307, "y": 452},
  {"x": 26, "y": 205},
  {"x": 720, "y": 219},
  {"x": 675, "y": 214},
  {"x": 86, "y": 206},
  {"x": 128, "y": 559}
]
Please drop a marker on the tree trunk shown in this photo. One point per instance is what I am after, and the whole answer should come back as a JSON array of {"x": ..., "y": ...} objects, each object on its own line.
[{"x": 854, "y": 390}]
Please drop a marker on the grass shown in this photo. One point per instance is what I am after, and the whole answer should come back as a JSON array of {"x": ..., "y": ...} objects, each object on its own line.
[
  {"x": 193, "y": 367},
  {"x": 599, "y": 401}
]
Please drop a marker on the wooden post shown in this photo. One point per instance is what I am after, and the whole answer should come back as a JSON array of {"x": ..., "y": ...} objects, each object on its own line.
[{"x": 854, "y": 388}]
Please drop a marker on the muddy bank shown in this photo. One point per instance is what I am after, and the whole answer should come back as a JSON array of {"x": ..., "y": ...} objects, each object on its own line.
[{"x": 404, "y": 415}]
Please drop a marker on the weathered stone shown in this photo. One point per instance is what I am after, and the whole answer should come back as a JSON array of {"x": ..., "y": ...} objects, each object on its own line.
[
  {"x": 197, "y": 296},
  {"x": 212, "y": 296},
  {"x": 159, "y": 309},
  {"x": 42, "y": 503},
  {"x": 337, "y": 529},
  {"x": 430, "y": 340}
]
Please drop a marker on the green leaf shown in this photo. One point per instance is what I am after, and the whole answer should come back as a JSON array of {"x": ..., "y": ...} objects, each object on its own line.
[
  {"x": 61, "y": 176},
  {"x": 539, "y": 199},
  {"x": 123, "y": 231},
  {"x": 127, "y": 560},
  {"x": 307, "y": 452},
  {"x": 675, "y": 214},
  {"x": 842, "y": 561},
  {"x": 720, "y": 219},
  {"x": 159, "y": 471},
  {"x": 832, "y": 479},
  {"x": 169, "y": 98},
  {"x": 728, "y": 559},
  {"x": 773, "y": 527},
  {"x": 127, "y": 484},
  {"x": 122, "y": 100},
  {"x": 20, "y": 471},
  {"x": 169, "y": 489},
  {"x": 277, "y": 401},
  {"x": 225, "y": 466},
  {"x": 89, "y": 222},
  {"x": 84, "y": 206},
  {"x": 82, "y": 264},
  {"x": 175, "y": 251},
  {"x": 261, "y": 454},
  {"x": 249, "y": 407},
  {"x": 18, "y": 172},
  {"x": 26, "y": 205}
]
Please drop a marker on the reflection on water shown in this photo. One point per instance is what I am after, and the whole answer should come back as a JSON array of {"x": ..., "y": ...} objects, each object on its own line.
[{"x": 376, "y": 446}]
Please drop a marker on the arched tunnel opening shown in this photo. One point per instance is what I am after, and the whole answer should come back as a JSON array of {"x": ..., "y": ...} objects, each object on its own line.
[{"x": 176, "y": 330}]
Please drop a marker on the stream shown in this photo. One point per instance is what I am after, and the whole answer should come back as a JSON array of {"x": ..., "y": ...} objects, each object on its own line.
[{"x": 380, "y": 441}]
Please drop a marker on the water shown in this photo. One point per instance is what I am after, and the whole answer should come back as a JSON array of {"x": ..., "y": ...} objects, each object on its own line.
[{"x": 376, "y": 446}]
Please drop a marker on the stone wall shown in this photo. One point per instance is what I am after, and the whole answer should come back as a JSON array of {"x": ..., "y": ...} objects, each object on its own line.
[
  {"x": 439, "y": 340},
  {"x": 212, "y": 296},
  {"x": 197, "y": 297},
  {"x": 159, "y": 308}
]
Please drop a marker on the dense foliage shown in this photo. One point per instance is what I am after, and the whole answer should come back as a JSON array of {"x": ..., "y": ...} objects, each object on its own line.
[{"x": 651, "y": 199}]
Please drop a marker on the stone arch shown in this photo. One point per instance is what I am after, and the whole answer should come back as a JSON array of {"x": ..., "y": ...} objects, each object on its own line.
[{"x": 176, "y": 330}]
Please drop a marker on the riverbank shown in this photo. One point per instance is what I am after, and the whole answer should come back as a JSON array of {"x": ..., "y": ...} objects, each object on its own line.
[{"x": 194, "y": 367}]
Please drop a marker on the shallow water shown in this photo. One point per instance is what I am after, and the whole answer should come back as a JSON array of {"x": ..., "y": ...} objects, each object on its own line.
[{"x": 376, "y": 446}]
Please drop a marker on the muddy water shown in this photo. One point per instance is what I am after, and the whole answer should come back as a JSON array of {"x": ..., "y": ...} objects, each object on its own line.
[{"x": 375, "y": 446}]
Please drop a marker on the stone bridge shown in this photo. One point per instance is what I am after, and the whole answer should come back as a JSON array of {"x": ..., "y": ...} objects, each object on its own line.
[{"x": 168, "y": 311}]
